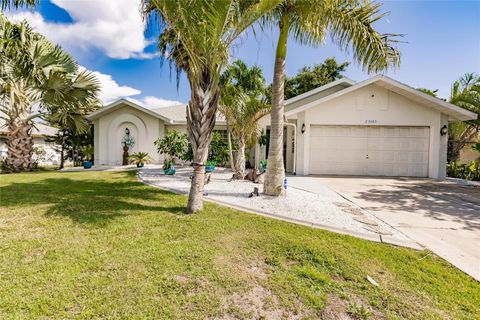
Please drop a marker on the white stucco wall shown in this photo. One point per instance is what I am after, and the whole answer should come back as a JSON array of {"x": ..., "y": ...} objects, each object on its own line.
[
  {"x": 375, "y": 106},
  {"x": 110, "y": 129}
]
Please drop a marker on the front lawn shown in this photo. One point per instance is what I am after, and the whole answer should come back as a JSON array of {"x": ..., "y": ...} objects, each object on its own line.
[{"x": 102, "y": 245}]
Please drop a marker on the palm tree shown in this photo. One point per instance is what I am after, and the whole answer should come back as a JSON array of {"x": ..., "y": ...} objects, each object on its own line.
[
  {"x": 350, "y": 23},
  {"x": 38, "y": 80},
  {"x": 243, "y": 103},
  {"x": 466, "y": 94},
  {"x": 196, "y": 36}
]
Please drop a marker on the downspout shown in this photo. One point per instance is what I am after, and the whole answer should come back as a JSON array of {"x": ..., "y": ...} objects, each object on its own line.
[{"x": 286, "y": 123}]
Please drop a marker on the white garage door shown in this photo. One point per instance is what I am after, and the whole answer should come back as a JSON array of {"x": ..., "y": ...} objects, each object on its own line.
[{"x": 369, "y": 150}]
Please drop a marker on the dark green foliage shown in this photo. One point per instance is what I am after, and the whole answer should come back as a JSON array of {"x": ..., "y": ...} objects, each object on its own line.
[
  {"x": 309, "y": 78},
  {"x": 218, "y": 150},
  {"x": 432, "y": 93},
  {"x": 173, "y": 145}
]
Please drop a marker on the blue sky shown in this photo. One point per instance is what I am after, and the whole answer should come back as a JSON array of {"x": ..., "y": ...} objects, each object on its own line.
[{"x": 442, "y": 42}]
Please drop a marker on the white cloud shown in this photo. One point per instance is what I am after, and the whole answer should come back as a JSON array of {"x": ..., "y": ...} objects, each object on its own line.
[
  {"x": 151, "y": 102},
  {"x": 112, "y": 91},
  {"x": 113, "y": 26}
]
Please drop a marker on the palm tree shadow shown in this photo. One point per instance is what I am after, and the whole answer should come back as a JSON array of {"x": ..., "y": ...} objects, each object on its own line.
[{"x": 93, "y": 201}]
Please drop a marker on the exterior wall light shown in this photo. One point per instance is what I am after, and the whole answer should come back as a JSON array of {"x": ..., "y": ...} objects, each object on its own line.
[
  {"x": 444, "y": 130},
  {"x": 303, "y": 128}
]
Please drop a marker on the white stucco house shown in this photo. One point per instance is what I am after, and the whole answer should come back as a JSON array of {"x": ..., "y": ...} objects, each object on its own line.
[
  {"x": 144, "y": 126},
  {"x": 377, "y": 127}
]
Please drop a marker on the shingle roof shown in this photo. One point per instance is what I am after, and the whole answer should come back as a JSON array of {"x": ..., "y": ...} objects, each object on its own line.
[
  {"x": 178, "y": 113},
  {"x": 172, "y": 114}
]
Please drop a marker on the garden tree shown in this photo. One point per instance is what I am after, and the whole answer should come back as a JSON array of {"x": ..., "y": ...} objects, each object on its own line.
[
  {"x": 69, "y": 141},
  {"x": 218, "y": 150},
  {"x": 196, "y": 36},
  {"x": 309, "y": 78},
  {"x": 350, "y": 23},
  {"x": 243, "y": 104},
  {"x": 466, "y": 94},
  {"x": 37, "y": 80},
  {"x": 173, "y": 144}
]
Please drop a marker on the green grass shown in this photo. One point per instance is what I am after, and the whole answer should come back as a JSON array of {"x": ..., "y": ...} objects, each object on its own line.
[{"x": 102, "y": 245}]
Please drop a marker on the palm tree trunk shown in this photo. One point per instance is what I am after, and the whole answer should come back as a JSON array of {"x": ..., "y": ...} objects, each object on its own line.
[
  {"x": 20, "y": 147},
  {"x": 275, "y": 175},
  {"x": 200, "y": 123},
  {"x": 230, "y": 149},
  {"x": 240, "y": 163}
]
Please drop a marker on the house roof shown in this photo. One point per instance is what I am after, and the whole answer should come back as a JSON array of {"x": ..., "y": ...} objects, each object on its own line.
[
  {"x": 342, "y": 82},
  {"x": 176, "y": 114},
  {"x": 454, "y": 112},
  {"x": 119, "y": 104},
  {"x": 39, "y": 129}
]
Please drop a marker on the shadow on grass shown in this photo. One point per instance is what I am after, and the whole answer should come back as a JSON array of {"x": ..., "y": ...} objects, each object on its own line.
[{"x": 90, "y": 201}]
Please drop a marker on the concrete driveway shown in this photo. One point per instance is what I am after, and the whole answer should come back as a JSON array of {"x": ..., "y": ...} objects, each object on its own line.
[{"x": 441, "y": 216}]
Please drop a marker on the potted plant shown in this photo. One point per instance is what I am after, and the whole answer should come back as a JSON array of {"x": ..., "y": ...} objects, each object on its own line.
[
  {"x": 87, "y": 153},
  {"x": 140, "y": 159},
  {"x": 168, "y": 167},
  {"x": 263, "y": 165},
  {"x": 210, "y": 166}
]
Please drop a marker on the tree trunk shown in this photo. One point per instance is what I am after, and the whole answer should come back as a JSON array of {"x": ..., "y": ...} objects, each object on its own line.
[
  {"x": 201, "y": 112},
  {"x": 20, "y": 147},
  {"x": 230, "y": 149},
  {"x": 240, "y": 163},
  {"x": 62, "y": 155},
  {"x": 275, "y": 174}
]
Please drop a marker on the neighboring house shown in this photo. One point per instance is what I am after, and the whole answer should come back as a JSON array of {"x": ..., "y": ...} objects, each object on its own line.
[
  {"x": 144, "y": 127},
  {"x": 378, "y": 127},
  {"x": 45, "y": 152}
]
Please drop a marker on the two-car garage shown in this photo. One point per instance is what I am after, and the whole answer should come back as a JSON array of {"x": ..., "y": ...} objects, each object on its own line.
[
  {"x": 369, "y": 150},
  {"x": 378, "y": 127}
]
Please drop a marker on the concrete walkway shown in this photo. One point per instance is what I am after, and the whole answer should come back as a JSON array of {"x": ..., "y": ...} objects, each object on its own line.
[{"x": 442, "y": 216}]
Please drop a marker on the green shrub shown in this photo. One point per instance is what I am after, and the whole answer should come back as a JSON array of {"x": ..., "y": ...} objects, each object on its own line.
[
  {"x": 218, "y": 150},
  {"x": 173, "y": 145},
  {"x": 469, "y": 171}
]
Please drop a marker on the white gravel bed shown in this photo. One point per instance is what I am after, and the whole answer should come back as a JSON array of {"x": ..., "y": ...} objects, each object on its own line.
[{"x": 323, "y": 207}]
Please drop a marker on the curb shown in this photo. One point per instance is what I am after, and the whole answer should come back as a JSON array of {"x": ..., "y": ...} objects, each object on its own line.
[{"x": 364, "y": 236}]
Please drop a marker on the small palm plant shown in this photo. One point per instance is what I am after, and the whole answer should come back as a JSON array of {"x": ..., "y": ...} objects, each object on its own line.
[
  {"x": 87, "y": 152},
  {"x": 140, "y": 159}
]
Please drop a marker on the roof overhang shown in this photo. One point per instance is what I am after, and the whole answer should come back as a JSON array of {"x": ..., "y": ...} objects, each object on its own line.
[
  {"x": 342, "y": 81},
  {"x": 122, "y": 102},
  {"x": 454, "y": 112}
]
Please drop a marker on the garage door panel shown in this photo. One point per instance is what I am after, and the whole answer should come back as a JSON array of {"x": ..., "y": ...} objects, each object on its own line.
[{"x": 368, "y": 150}]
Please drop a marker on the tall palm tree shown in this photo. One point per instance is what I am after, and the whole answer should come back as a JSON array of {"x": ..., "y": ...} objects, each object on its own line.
[
  {"x": 243, "y": 103},
  {"x": 196, "y": 36},
  {"x": 350, "y": 23},
  {"x": 37, "y": 80}
]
